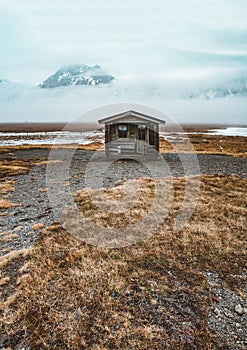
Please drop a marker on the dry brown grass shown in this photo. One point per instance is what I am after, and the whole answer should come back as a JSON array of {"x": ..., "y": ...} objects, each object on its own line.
[
  {"x": 45, "y": 162},
  {"x": 90, "y": 147},
  {"x": 18, "y": 228},
  {"x": 152, "y": 295},
  {"x": 108, "y": 218},
  {"x": 8, "y": 258},
  {"x": 6, "y": 186},
  {"x": 4, "y": 279},
  {"x": 4, "y": 204},
  {"x": 44, "y": 189},
  {"x": 7, "y": 236},
  {"x": 37, "y": 226},
  {"x": 210, "y": 144},
  {"x": 6, "y": 250},
  {"x": 5, "y": 233},
  {"x": 13, "y": 168},
  {"x": 94, "y": 146}
]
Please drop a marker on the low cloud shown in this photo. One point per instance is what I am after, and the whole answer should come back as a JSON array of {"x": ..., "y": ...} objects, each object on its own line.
[
  {"x": 158, "y": 51},
  {"x": 68, "y": 103}
]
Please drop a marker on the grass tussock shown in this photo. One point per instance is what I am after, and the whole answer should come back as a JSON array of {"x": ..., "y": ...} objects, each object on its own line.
[
  {"x": 94, "y": 146},
  {"x": 7, "y": 237},
  {"x": 6, "y": 250},
  {"x": 6, "y": 186},
  {"x": 44, "y": 189},
  {"x": 152, "y": 295},
  {"x": 37, "y": 226},
  {"x": 45, "y": 162},
  {"x": 4, "y": 279},
  {"x": 4, "y": 204},
  {"x": 5, "y": 260},
  {"x": 9, "y": 270},
  {"x": 13, "y": 167}
]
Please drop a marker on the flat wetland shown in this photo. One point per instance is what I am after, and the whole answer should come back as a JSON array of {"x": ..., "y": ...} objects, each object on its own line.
[{"x": 181, "y": 289}]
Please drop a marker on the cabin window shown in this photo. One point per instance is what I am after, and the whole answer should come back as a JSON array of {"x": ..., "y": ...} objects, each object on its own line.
[
  {"x": 141, "y": 132},
  {"x": 141, "y": 127},
  {"x": 122, "y": 131}
]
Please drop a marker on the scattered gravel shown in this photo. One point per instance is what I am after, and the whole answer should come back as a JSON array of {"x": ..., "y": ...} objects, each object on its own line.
[{"x": 229, "y": 316}]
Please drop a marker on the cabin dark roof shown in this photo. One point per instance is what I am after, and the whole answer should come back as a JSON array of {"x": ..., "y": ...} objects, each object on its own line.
[{"x": 140, "y": 115}]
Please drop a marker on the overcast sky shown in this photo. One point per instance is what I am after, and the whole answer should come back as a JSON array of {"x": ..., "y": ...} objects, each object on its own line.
[
  {"x": 128, "y": 38},
  {"x": 133, "y": 39}
]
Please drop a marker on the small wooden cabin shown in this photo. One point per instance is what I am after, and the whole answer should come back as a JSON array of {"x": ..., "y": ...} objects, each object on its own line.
[{"x": 131, "y": 133}]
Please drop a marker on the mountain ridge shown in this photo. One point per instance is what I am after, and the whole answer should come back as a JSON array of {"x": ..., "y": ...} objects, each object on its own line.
[
  {"x": 77, "y": 74},
  {"x": 237, "y": 88},
  {"x": 89, "y": 76}
]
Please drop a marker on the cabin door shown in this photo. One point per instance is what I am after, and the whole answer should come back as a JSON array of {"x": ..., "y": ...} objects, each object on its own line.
[{"x": 141, "y": 137}]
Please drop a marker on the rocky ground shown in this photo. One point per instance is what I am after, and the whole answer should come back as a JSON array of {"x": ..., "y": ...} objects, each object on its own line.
[{"x": 34, "y": 211}]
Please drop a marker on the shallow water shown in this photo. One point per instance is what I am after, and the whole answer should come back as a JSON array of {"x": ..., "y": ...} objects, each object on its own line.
[
  {"x": 49, "y": 138},
  {"x": 231, "y": 131}
]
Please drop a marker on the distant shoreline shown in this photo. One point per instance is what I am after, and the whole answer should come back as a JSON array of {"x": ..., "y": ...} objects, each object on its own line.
[{"x": 49, "y": 127}]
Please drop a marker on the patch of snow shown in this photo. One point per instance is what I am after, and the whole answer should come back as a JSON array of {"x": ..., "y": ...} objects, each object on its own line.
[
  {"x": 49, "y": 138},
  {"x": 231, "y": 131},
  {"x": 173, "y": 136}
]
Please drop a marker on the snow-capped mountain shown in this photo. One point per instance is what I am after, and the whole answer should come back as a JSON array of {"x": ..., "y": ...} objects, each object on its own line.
[
  {"x": 122, "y": 89},
  {"x": 237, "y": 88},
  {"x": 78, "y": 74}
]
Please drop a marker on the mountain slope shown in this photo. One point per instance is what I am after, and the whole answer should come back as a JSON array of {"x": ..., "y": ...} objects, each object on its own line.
[
  {"x": 79, "y": 74},
  {"x": 9, "y": 90},
  {"x": 237, "y": 88},
  {"x": 5, "y": 82}
]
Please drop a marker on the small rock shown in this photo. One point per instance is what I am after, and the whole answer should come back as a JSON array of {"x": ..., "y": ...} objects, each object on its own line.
[
  {"x": 217, "y": 311},
  {"x": 239, "y": 310},
  {"x": 227, "y": 314}
]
